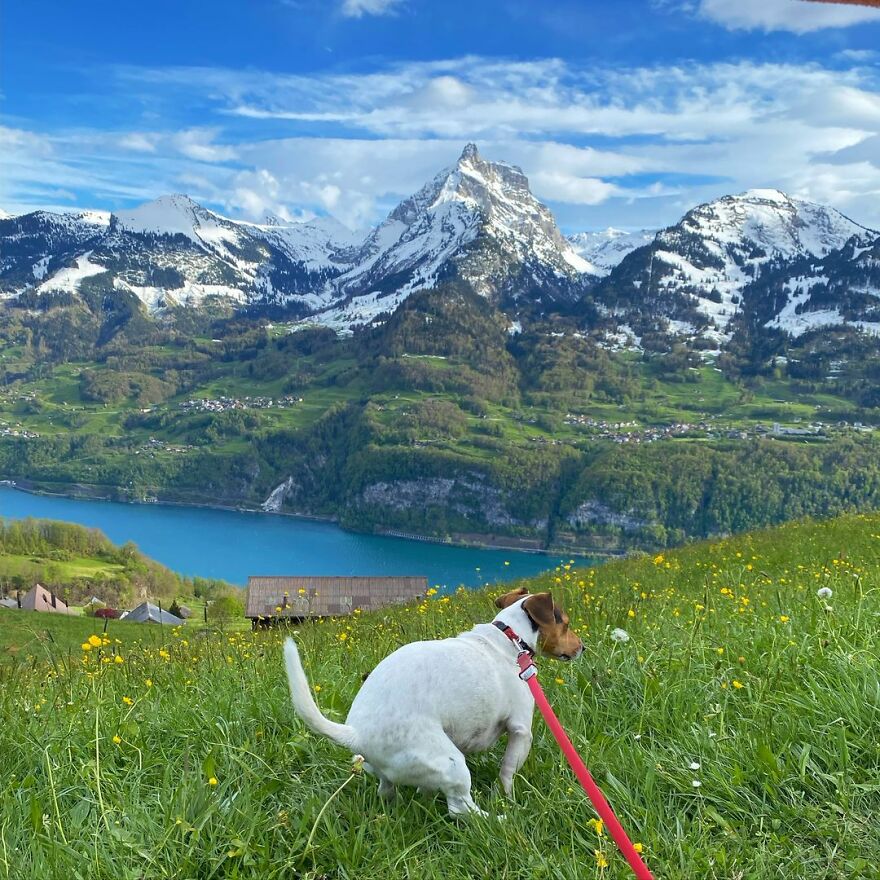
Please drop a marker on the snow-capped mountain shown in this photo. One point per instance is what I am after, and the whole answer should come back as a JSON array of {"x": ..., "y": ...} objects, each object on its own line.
[
  {"x": 170, "y": 251},
  {"x": 841, "y": 289},
  {"x": 759, "y": 255},
  {"x": 691, "y": 277},
  {"x": 37, "y": 245},
  {"x": 603, "y": 250},
  {"x": 477, "y": 221}
]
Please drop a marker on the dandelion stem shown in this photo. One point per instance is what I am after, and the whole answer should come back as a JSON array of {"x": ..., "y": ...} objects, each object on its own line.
[
  {"x": 323, "y": 810},
  {"x": 54, "y": 796},
  {"x": 98, "y": 771}
]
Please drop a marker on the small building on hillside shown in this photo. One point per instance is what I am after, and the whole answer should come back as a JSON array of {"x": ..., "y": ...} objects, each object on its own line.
[
  {"x": 39, "y": 598},
  {"x": 147, "y": 612},
  {"x": 300, "y": 598}
]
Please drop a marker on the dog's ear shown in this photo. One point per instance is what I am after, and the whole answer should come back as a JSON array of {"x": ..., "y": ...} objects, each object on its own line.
[
  {"x": 540, "y": 608},
  {"x": 510, "y": 598}
]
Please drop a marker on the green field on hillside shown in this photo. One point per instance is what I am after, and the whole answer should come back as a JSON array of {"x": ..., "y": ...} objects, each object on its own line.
[{"x": 734, "y": 733}]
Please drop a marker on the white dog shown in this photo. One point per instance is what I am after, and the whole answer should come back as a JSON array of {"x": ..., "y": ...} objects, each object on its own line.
[{"x": 427, "y": 705}]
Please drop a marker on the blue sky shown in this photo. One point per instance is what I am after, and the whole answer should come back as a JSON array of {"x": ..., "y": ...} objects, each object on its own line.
[{"x": 624, "y": 113}]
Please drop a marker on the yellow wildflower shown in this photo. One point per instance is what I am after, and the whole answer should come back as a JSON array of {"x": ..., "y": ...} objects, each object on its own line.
[
  {"x": 598, "y": 825},
  {"x": 212, "y": 781},
  {"x": 128, "y": 701},
  {"x": 95, "y": 641},
  {"x": 86, "y": 646},
  {"x": 117, "y": 739},
  {"x": 118, "y": 659},
  {"x": 738, "y": 684},
  {"x": 601, "y": 861}
]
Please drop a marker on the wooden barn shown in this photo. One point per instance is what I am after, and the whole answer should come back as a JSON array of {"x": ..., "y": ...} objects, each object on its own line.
[{"x": 269, "y": 598}]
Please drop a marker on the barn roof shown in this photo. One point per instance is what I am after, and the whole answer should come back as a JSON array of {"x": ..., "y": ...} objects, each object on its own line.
[
  {"x": 147, "y": 612},
  {"x": 328, "y": 596}
]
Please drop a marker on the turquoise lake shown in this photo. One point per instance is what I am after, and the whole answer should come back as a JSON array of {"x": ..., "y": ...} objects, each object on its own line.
[{"x": 232, "y": 545}]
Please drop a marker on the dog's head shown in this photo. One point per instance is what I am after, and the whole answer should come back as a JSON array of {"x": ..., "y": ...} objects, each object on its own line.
[{"x": 554, "y": 636}]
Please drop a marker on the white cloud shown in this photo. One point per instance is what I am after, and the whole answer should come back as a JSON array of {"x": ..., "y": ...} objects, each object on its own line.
[
  {"x": 797, "y": 16},
  {"x": 359, "y": 8},
  {"x": 139, "y": 142},
  {"x": 629, "y": 146},
  {"x": 197, "y": 143}
]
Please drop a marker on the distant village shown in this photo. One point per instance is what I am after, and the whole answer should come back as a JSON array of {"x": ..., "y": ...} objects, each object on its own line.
[
  {"x": 225, "y": 404},
  {"x": 268, "y": 600},
  {"x": 632, "y": 432},
  {"x": 41, "y": 599}
]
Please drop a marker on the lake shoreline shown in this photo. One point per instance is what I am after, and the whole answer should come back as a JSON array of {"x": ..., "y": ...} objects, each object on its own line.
[{"x": 512, "y": 544}]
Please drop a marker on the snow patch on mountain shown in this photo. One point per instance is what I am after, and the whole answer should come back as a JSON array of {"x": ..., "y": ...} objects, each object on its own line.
[
  {"x": 40, "y": 268},
  {"x": 69, "y": 278}
]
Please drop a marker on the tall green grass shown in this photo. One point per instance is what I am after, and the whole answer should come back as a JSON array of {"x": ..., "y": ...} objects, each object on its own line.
[{"x": 185, "y": 760}]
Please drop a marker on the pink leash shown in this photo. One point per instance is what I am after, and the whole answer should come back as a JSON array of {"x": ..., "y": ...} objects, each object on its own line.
[{"x": 529, "y": 674}]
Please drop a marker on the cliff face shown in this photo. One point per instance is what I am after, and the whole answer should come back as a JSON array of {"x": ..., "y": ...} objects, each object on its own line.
[{"x": 467, "y": 496}]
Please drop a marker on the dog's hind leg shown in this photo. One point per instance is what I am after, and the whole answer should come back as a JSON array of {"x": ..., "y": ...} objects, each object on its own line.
[
  {"x": 456, "y": 785},
  {"x": 387, "y": 790},
  {"x": 519, "y": 741},
  {"x": 434, "y": 763}
]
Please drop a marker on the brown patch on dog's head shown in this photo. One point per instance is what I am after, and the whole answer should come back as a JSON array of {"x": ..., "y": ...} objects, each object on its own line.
[
  {"x": 511, "y": 597},
  {"x": 554, "y": 636}
]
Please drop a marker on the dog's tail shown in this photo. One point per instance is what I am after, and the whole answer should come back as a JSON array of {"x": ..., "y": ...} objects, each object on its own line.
[{"x": 305, "y": 705}]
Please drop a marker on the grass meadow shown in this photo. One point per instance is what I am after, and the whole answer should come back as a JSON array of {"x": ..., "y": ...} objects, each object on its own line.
[{"x": 736, "y": 733}]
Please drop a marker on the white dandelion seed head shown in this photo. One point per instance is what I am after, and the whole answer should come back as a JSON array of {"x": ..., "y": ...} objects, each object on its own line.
[
  {"x": 824, "y": 592},
  {"x": 695, "y": 765},
  {"x": 696, "y": 783},
  {"x": 619, "y": 635}
]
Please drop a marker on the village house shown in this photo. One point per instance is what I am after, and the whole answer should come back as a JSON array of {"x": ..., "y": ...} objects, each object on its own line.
[
  {"x": 39, "y": 598},
  {"x": 299, "y": 598},
  {"x": 147, "y": 612}
]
